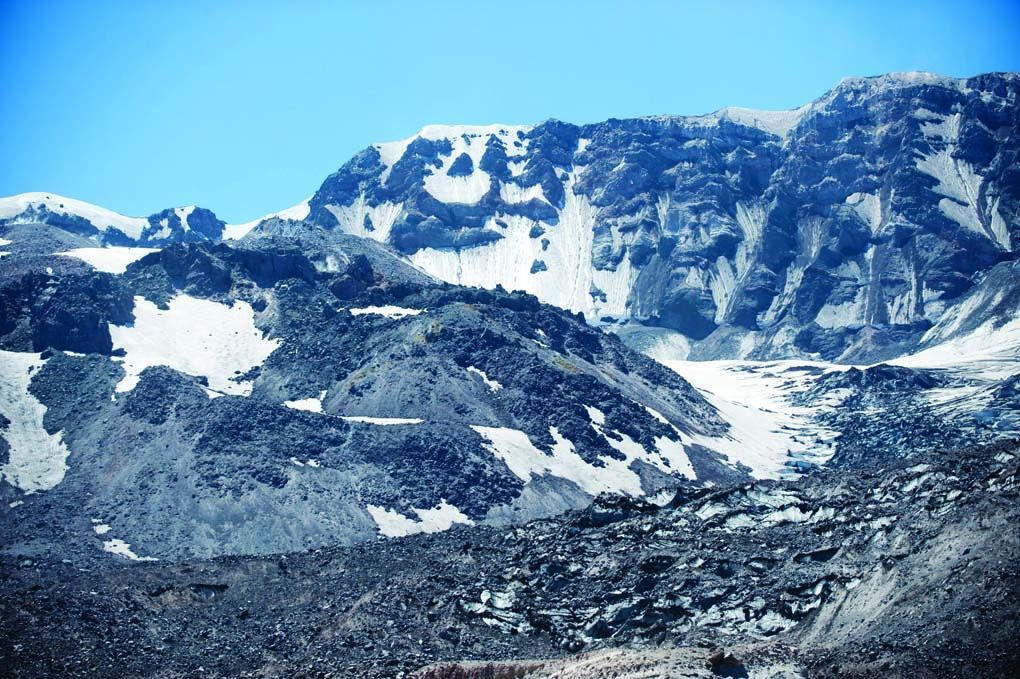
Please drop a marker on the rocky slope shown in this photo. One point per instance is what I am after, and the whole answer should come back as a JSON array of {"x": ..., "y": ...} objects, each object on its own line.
[
  {"x": 303, "y": 388},
  {"x": 292, "y": 392},
  {"x": 909, "y": 569}
]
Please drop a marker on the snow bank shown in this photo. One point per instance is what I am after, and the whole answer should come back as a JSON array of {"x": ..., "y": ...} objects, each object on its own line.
[
  {"x": 121, "y": 548},
  {"x": 493, "y": 385},
  {"x": 37, "y": 459},
  {"x": 195, "y": 336},
  {"x": 387, "y": 311},
  {"x": 312, "y": 405},
  {"x": 382, "y": 421},
  {"x": 393, "y": 524},
  {"x": 113, "y": 259}
]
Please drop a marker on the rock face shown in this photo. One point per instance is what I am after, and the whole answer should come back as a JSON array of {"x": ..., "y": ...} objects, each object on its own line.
[{"x": 843, "y": 229}]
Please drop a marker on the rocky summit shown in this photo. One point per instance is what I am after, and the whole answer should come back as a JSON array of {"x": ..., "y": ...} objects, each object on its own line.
[{"x": 724, "y": 395}]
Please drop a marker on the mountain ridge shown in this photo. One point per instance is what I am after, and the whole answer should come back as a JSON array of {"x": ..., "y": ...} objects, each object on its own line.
[{"x": 693, "y": 231}]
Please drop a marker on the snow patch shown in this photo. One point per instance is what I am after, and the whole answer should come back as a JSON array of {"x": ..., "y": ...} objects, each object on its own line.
[
  {"x": 867, "y": 206},
  {"x": 312, "y": 405},
  {"x": 111, "y": 259},
  {"x": 525, "y": 460},
  {"x": 194, "y": 336},
  {"x": 493, "y": 385},
  {"x": 382, "y": 421},
  {"x": 515, "y": 193},
  {"x": 37, "y": 460},
  {"x": 393, "y": 524},
  {"x": 182, "y": 214},
  {"x": 368, "y": 221},
  {"x": 670, "y": 458},
  {"x": 121, "y": 548},
  {"x": 387, "y": 311}
]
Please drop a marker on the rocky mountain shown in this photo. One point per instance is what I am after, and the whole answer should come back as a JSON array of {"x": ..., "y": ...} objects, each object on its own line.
[
  {"x": 297, "y": 391},
  {"x": 304, "y": 387},
  {"x": 187, "y": 224},
  {"x": 748, "y": 379},
  {"x": 843, "y": 229}
]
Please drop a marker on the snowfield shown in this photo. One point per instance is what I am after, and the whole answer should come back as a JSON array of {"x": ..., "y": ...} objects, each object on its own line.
[
  {"x": 195, "y": 336},
  {"x": 393, "y": 524},
  {"x": 766, "y": 429},
  {"x": 111, "y": 259},
  {"x": 37, "y": 459}
]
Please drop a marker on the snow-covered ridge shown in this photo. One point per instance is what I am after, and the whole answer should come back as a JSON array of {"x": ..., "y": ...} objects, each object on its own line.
[
  {"x": 901, "y": 79},
  {"x": 295, "y": 212},
  {"x": 13, "y": 207},
  {"x": 778, "y": 123},
  {"x": 470, "y": 139},
  {"x": 436, "y": 132}
]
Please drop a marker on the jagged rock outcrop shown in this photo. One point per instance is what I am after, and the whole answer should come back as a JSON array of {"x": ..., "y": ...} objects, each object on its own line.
[{"x": 843, "y": 229}]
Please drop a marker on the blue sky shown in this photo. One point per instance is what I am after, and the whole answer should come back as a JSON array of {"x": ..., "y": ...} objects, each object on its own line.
[{"x": 244, "y": 107}]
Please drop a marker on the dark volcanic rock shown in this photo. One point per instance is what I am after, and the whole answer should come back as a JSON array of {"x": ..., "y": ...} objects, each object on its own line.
[{"x": 924, "y": 579}]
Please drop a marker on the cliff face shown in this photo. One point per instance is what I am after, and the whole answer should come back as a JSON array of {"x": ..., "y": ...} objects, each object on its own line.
[{"x": 844, "y": 229}]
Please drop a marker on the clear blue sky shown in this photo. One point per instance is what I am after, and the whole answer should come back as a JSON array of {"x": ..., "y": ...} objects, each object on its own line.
[{"x": 244, "y": 107}]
